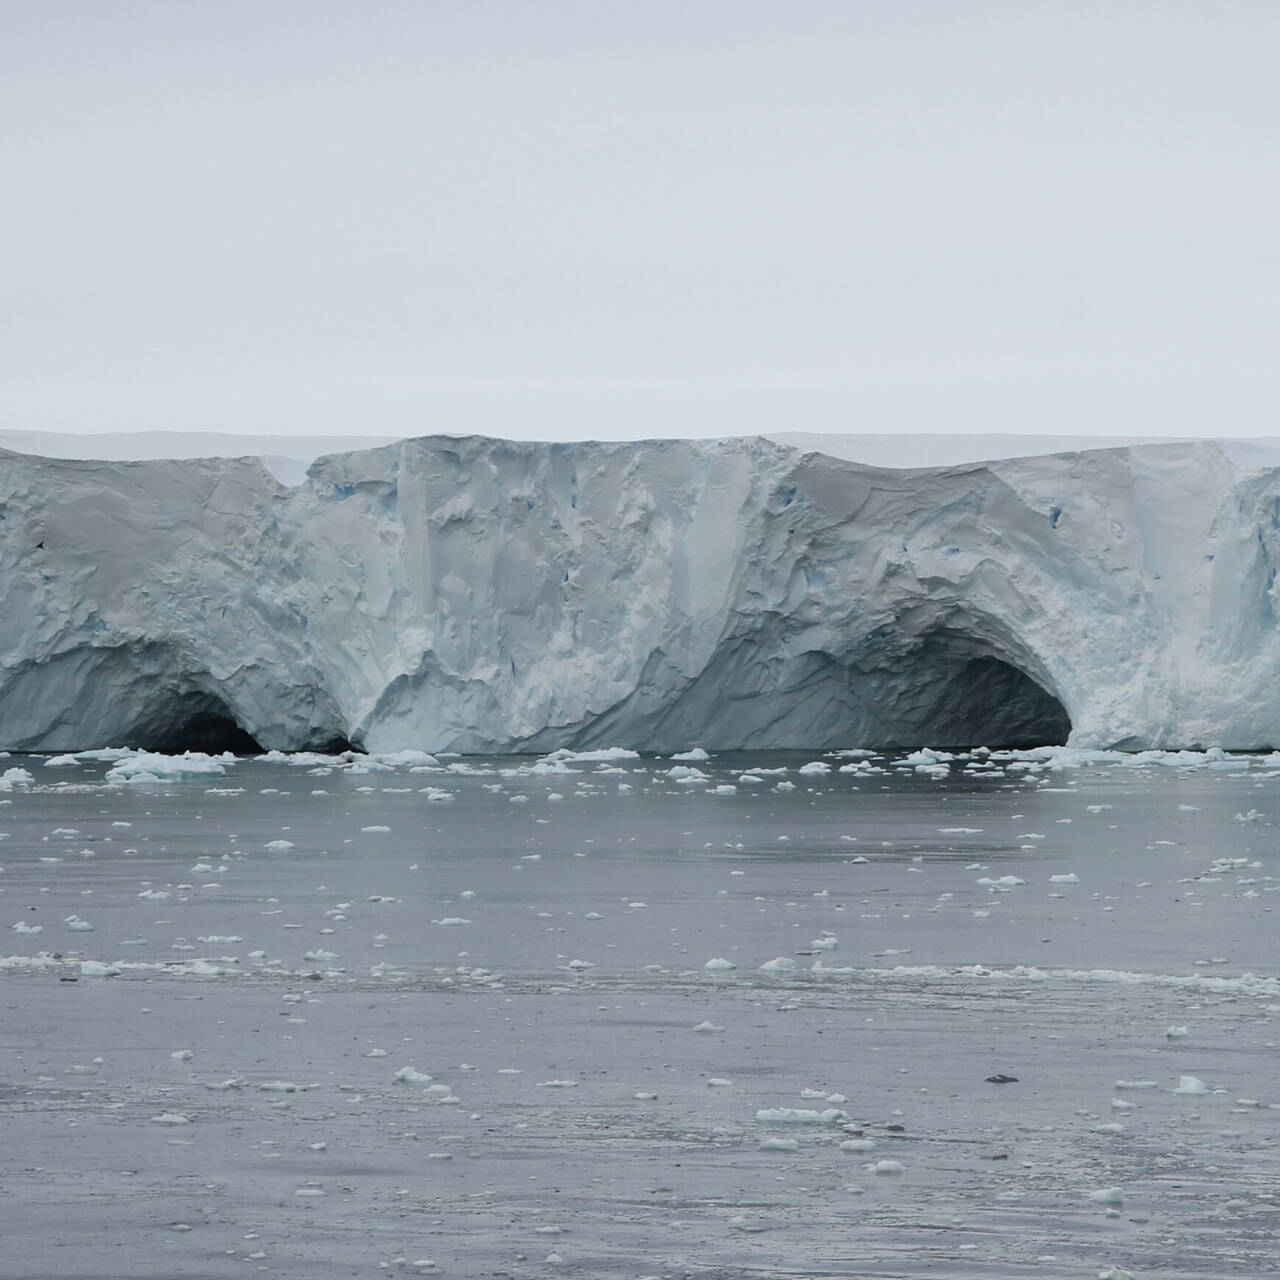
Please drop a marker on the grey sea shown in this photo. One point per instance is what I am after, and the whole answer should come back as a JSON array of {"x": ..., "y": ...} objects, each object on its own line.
[{"x": 756, "y": 1015}]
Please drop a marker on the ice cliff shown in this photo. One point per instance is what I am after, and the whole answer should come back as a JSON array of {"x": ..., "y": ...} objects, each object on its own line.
[{"x": 475, "y": 595}]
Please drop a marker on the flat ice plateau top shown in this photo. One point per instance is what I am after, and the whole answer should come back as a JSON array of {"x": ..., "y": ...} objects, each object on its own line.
[{"x": 473, "y": 594}]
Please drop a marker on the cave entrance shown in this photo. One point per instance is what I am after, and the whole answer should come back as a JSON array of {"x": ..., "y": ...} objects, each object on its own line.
[
  {"x": 943, "y": 691},
  {"x": 193, "y": 722}
]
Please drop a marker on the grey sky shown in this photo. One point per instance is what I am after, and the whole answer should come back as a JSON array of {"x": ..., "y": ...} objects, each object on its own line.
[{"x": 602, "y": 219}]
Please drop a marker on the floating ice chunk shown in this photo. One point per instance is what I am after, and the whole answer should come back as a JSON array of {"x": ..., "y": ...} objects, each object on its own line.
[
  {"x": 815, "y": 767},
  {"x": 182, "y": 1055},
  {"x": 376, "y": 829},
  {"x": 798, "y": 1115},
  {"x": 858, "y": 1145},
  {"x": 557, "y": 1084},
  {"x": 452, "y": 921},
  {"x": 1108, "y": 1195},
  {"x": 1000, "y": 882},
  {"x": 1069, "y": 877},
  {"x": 15, "y": 778},
  {"x": 603, "y": 753},
  {"x": 884, "y": 1167},
  {"x": 779, "y": 964},
  {"x": 717, "y": 965},
  {"x": 1176, "y": 1033},
  {"x": 97, "y": 969},
  {"x": 153, "y": 766},
  {"x": 23, "y": 927},
  {"x": 279, "y": 845},
  {"x": 779, "y": 1144},
  {"x": 281, "y": 1086},
  {"x": 60, "y": 762},
  {"x": 828, "y": 942},
  {"x": 685, "y": 773},
  {"x": 408, "y": 758},
  {"x": 708, "y": 1027},
  {"x": 693, "y": 754},
  {"x": 1192, "y": 1086},
  {"x": 410, "y": 1075},
  {"x": 171, "y": 1117}
]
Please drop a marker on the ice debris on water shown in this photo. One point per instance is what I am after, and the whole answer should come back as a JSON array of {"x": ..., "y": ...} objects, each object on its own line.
[
  {"x": 144, "y": 767},
  {"x": 1108, "y": 1195},
  {"x": 798, "y": 1115}
]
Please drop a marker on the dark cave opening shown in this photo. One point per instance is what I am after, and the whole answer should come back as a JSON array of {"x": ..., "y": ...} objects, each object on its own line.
[
  {"x": 196, "y": 722},
  {"x": 943, "y": 690},
  {"x": 990, "y": 703}
]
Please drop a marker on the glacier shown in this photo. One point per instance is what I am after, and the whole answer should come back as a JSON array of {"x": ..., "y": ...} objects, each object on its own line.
[{"x": 469, "y": 594}]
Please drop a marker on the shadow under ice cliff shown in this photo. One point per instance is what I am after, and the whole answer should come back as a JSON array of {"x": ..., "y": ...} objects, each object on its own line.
[{"x": 471, "y": 594}]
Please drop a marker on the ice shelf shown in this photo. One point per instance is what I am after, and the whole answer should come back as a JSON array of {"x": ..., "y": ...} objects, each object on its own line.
[{"x": 471, "y": 594}]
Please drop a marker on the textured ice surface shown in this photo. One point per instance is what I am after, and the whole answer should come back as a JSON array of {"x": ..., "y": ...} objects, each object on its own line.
[
  {"x": 470, "y": 594},
  {"x": 270, "y": 1055}
]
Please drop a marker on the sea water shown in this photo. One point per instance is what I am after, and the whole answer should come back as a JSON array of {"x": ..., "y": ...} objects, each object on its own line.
[{"x": 769, "y": 1014}]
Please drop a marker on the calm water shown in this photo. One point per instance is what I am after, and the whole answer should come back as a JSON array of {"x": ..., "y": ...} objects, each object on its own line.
[{"x": 543, "y": 961}]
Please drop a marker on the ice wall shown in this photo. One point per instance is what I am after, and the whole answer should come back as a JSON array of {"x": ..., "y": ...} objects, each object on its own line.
[{"x": 472, "y": 594}]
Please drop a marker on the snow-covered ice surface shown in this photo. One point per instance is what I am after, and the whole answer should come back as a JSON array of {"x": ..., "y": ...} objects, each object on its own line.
[
  {"x": 323, "y": 1024},
  {"x": 484, "y": 595}
]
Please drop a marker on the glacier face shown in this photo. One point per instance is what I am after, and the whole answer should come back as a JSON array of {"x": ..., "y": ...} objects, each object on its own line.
[{"x": 472, "y": 594}]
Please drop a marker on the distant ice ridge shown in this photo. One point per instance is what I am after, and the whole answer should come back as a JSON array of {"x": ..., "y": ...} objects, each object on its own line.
[{"x": 451, "y": 594}]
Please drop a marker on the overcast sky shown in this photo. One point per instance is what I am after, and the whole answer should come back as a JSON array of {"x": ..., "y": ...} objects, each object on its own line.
[{"x": 547, "y": 219}]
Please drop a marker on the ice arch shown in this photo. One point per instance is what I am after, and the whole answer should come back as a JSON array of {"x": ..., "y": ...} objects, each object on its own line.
[
  {"x": 946, "y": 690},
  {"x": 191, "y": 722},
  {"x": 898, "y": 686},
  {"x": 135, "y": 695}
]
